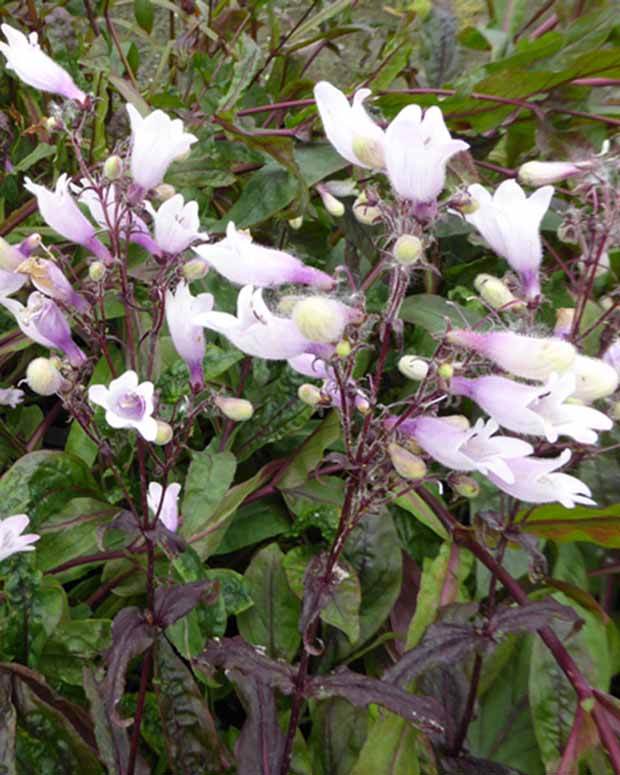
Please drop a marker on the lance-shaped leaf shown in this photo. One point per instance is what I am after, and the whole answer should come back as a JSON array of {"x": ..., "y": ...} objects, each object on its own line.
[
  {"x": 530, "y": 617},
  {"x": 189, "y": 729},
  {"x": 245, "y": 659},
  {"x": 423, "y": 712},
  {"x": 131, "y": 636},
  {"x": 171, "y": 603}
]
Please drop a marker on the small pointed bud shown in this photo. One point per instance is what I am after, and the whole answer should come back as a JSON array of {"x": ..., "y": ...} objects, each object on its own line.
[
  {"x": 465, "y": 203},
  {"x": 164, "y": 191},
  {"x": 464, "y": 485},
  {"x": 365, "y": 213},
  {"x": 51, "y": 123},
  {"x": 320, "y": 319},
  {"x": 96, "y": 271},
  {"x": 195, "y": 269},
  {"x": 343, "y": 348},
  {"x": 446, "y": 371},
  {"x": 615, "y": 411},
  {"x": 495, "y": 292},
  {"x": 408, "y": 249},
  {"x": 309, "y": 394},
  {"x": 113, "y": 167},
  {"x": 237, "y": 409},
  {"x": 564, "y": 317},
  {"x": 43, "y": 376},
  {"x": 542, "y": 173},
  {"x": 332, "y": 205},
  {"x": 164, "y": 433},
  {"x": 369, "y": 151},
  {"x": 457, "y": 421},
  {"x": 408, "y": 465},
  {"x": 413, "y": 368},
  {"x": 362, "y": 404},
  {"x": 296, "y": 223}
]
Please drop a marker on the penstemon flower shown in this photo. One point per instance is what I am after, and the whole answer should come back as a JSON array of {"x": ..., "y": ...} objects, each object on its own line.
[
  {"x": 165, "y": 503},
  {"x": 12, "y": 537},
  {"x": 11, "y": 397},
  {"x": 49, "y": 279},
  {"x": 25, "y": 57},
  {"x": 182, "y": 309},
  {"x": 534, "y": 480},
  {"x": 42, "y": 321},
  {"x": 510, "y": 223},
  {"x": 244, "y": 262},
  {"x": 541, "y": 173},
  {"x": 176, "y": 224},
  {"x": 524, "y": 356},
  {"x": 349, "y": 128},
  {"x": 60, "y": 211},
  {"x": 127, "y": 404},
  {"x": 156, "y": 141},
  {"x": 542, "y": 410}
]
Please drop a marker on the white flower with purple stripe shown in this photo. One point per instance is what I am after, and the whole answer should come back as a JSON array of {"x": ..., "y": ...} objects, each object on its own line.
[{"x": 127, "y": 404}]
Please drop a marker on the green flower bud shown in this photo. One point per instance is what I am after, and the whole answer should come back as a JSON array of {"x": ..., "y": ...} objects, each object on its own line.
[
  {"x": 164, "y": 433},
  {"x": 309, "y": 394},
  {"x": 320, "y": 319},
  {"x": 113, "y": 167},
  {"x": 365, "y": 213},
  {"x": 495, "y": 292},
  {"x": 96, "y": 271},
  {"x": 343, "y": 348},
  {"x": 446, "y": 371},
  {"x": 413, "y": 368},
  {"x": 237, "y": 409},
  {"x": 296, "y": 223},
  {"x": 332, "y": 205},
  {"x": 464, "y": 485},
  {"x": 408, "y": 249},
  {"x": 406, "y": 464},
  {"x": 164, "y": 191},
  {"x": 43, "y": 377},
  {"x": 195, "y": 269}
]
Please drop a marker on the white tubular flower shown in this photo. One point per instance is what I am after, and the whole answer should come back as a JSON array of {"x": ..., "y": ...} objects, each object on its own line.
[
  {"x": 541, "y": 173},
  {"x": 176, "y": 224},
  {"x": 156, "y": 141},
  {"x": 524, "y": 356},
  {"x": 165, "y": 503},
  {"x": 510, "y": 223},
  {"x": 12, "y": 539},
  {"x": 11, "y": 397},
  {"x": 256, "y": 330},
  {"x": 534, "y": 481},
  {"x": 60, "y": 211},
  {"x": 242, "y": 261},
  {"x": 25, "y": 57},
  {"x": 472, "y": 449},
  {"x": 417, "y": 152},
  {"x": 596, "y": 378},
  {"x": 127, "y": 404},
  {"x": 349, "y": 128},
  {"x": 541, "y": 410},
  {"x": 182, "y": 310}
]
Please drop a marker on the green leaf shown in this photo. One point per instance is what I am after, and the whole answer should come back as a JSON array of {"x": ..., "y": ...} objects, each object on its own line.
[
  {"x": 414, "y": 504},
  {"x": 311, "y": 452},
  {"x": 272, "y": 622},
  {"x": 208, "y": 479},
  {"x": 41, "y": 483},
  {"x": 254, "y": 523},
  {"x": 73, "y": 646},
  {"x": 319, "y": 18},
  {"x": 434, "y": 313},
  {"x": 390, "y": 748},
  {"x": 582, "y": 523},
  {"x": 248, "y": 55},
  {"x": 342, "y": 610},
  {"x": 338, "y": 735},
  {"x": 48, "y": 604},
  {"x": 145, "y": 14},
  {"x": 42, "y": 151}
]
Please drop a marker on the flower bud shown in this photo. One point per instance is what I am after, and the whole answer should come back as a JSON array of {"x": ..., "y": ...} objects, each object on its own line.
[
  {"x": 407, "y": 249},
  {"x": 164, "y": 191},
  {"x": 320, "y": 319},
  {"x": 195, "y": 269},
  {"x": 113, "y": 167},
  {"x": 309, "y": 394},
  {"x": 595, "y": 378},
  {"x": 362, "y": 404},
  {"x": 164, "y": 433},
  {"x": 541, "y": 173},
  {"x": 343, "y": 348},
  {"x": 43, "y": 377},
  {"x": 365, "y": 213},
  {"x": 464, "y": 485},
  {"x": 495, "y": 292},
  {"x": 296, "y": 223},
  {"x": 51, "y": 123},
  {"x": 465, "y": 203},
  {"x": 96, "y": 271},
  {"x": 368, "y": 151},
  {"x": 413, "y": 368},
  {"x": 332, "y": 205},
  {"x": 446, "y": 370},
  {"x": 237, "y": 409},
  {"x": 564, "y": 317},
  {"x": 406, "y": 464}
]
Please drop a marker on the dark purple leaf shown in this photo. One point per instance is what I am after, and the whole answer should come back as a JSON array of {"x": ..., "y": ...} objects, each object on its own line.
[
  {"x": 317, "y": 594},
  {"x": 260, "y": 745},
  {"x": 443, "y": 644},
  {"x": 468, "y": 765},
  {"x": 423, "y": 712},
  {"x": 131, "y": 636},
  {"x": 530, "y": 617},
  {"x": 235, "y": 653},
  {"x": 449, "y": 685},
  {"x": 404, "y": 608},
  {"x": 172, "y": 603}
]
